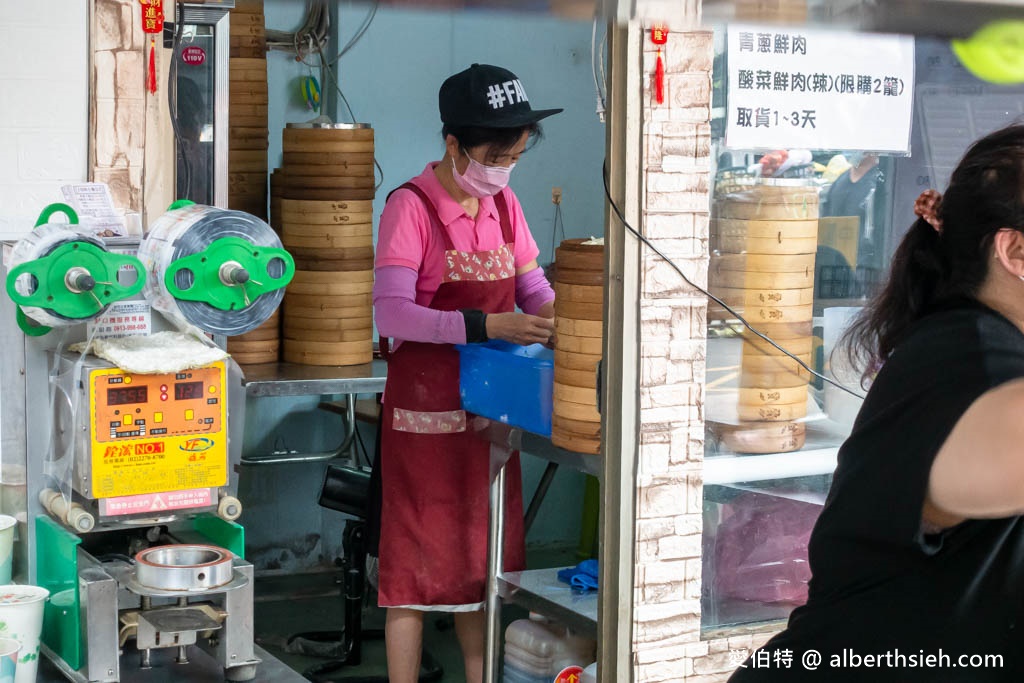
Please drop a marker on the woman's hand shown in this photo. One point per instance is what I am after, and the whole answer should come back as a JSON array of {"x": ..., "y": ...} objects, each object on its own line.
[{"x": 520, "y": 328}]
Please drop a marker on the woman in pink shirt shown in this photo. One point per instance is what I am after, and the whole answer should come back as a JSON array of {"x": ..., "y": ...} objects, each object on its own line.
[{"x": 454, "y": 259}]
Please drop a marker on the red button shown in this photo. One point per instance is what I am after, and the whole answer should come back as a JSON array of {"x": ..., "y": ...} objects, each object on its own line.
[
  {"x": 163, "y": 388},
  {"x": 163, "y": 397}
]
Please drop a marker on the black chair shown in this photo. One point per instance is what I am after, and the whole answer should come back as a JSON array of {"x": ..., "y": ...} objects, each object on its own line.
[{"x": 346, "y": 490}]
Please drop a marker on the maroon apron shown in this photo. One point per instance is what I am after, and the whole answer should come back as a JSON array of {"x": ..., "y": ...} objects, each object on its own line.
[{"x": 435, "y": 472}]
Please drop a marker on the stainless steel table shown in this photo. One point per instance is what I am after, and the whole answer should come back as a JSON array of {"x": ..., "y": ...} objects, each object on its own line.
[
  {"x": 290, "y": 379},
  {"x": 537, "y": 590},
  {"x": 201, "y": 668}
]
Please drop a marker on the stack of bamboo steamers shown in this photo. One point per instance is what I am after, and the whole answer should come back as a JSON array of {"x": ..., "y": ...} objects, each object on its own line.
[
  {"x": 322, "y": 204},
  {"x": 765, "y": 237},
  {"x": 247, "y": 153},
  {"x": 579, "y": 312}
]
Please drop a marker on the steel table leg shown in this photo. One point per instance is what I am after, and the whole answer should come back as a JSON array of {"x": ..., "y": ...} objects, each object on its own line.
[{"x": 495, "y": 562}]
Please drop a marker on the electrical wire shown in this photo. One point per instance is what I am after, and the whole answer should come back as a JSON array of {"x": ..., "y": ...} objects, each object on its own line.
[
  {"x": 675, "y": 267},
  {"x": 315, "y": 29},
  {"x": 593, "y": 66}
]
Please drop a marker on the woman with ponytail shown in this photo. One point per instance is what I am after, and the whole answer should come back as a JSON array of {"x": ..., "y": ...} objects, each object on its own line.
[{"x": 917, "y": 559}]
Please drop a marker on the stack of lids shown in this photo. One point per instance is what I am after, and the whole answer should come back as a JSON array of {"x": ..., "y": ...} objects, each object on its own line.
[
  {"x": 247, "y": 152},
  {"x": 323, "y": 207},
  {"x": 579, "y": 343},
  {"x": 765, "y": 239}
]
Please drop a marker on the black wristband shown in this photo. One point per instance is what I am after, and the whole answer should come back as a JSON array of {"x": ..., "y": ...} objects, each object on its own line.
[{"x": 476, "y": 325}]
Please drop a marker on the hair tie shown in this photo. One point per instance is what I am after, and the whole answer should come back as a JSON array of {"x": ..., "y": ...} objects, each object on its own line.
[{"x": 927, "y": 207}]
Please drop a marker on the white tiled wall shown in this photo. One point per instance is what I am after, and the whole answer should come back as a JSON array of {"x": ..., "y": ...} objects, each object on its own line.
[{"x": 44, "y": 88}]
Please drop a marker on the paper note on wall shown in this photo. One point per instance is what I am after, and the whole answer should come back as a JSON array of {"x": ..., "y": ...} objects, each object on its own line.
[{"x": 820, "y": 90}]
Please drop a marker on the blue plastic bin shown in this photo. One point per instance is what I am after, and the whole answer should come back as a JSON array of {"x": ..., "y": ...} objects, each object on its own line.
[{"x": 508, "y": 383}]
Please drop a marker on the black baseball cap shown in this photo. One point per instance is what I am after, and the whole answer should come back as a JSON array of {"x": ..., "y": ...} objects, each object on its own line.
[{"x": 487, "y": 97}]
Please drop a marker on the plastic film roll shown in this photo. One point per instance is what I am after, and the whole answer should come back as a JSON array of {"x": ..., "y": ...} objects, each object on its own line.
[{"x": 221, "y": 271}]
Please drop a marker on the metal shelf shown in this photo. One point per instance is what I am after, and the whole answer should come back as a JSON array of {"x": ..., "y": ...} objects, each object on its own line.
[
  {"x": 539, "y": 590},
  {"x": 291, "y": 379}
]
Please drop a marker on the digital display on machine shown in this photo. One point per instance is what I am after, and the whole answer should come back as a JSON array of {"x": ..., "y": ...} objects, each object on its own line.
[
  {"x": 186, "y": 390},
  {"x": 125, "y": 395}
]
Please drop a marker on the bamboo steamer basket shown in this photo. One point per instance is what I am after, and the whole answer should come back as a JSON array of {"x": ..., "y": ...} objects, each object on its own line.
[
  {"x": 765, "y": 229},
  {"x": 755, "y": 346},
  {"x": 326, "y": 159},
  {"x": 291, "y": 332},
  {"x": 326, "y": 194},
  {"x": 355, "y": 254},
  {"x": 326, "y": 240},
  {"x": 759, "y": 396},
  {"x": 328, "y": 353},
  {"x": 334, "y": 265},
  {"x": 325, "y": 182},
  {"x": 766, "y": 297},
  {"x": 773, "y": 380},
  {"x": 325, "y": 133},
  {"x": 322, "y": 324},
  {"x": 345, "y": 289},
  {"x": 320, "y": 220},
  {"x": 579, "y": 343},
  {"x": 239, "y": 109},
  {"x": 338, "y": 170},
  {"x": 773, "y": 413},
  {"x": 325, "y": 311},
  {"x": 331, "y": 207},
  {"x": 326, "y": 301},
  {"x": 734, "y": 279},
  {"x": 313, "y": 277},
  {"x": 767, "y": 245},
  {"x": 275, "y": 203},
  {"x": 764, "y": 263},
  {"x": 763, "y": 437},
  {"x": 765, "y": 364}
]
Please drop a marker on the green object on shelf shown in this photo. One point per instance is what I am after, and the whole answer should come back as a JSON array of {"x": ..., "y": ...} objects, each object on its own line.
[
  {"x": 180, "y": 204},
  {"x": 57, "y": 572},
  {"x": 224, "y": 274},
  {"x": 589, "y": 519},
  {"x": 221, "y": 533}
]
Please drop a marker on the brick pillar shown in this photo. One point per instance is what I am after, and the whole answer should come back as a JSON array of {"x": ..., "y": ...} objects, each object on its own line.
[
  {"x": 673, "y": 318},
  {"x": 117, "y": 107}
]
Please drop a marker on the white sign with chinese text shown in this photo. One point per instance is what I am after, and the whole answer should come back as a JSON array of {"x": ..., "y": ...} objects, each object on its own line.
[
  {"x": 123, "y": 319},
  {"x": 819, "y": 90}
]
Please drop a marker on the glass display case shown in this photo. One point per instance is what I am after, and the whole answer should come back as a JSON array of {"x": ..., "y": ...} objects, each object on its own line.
[{"x": 800, "y": 239}]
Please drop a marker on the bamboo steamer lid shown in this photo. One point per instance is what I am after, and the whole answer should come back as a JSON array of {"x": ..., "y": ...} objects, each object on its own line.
[
  {"x": 576, "y": 411},
  {"x": 574, "y": 254},
  {"x": 578, "y": 311},
  {"x": 256, "y": 358},
  {"x": 321, "y": 265},
  {"x": 579, "y": 328},
  {"x": 585, "y": 345},
  {"x": 576, "y": 361},
  {"x": 322, "y": 324},
  {"x": 326, "y": 133},
  {"x": 767, "y": 212},
  {"x": 345, "y": 289},
  {"x": 773, "y": 413},
  {"x": 302, "y": 357},
  {"x": 326, "y": 158},
  {"x": 775, "y": 190},
  {"x": 326, "y": 300},
  {"x": 328, "y": 231},
  {"x": 755, "y": 346},
  {"x": 312, "y": 277},
  {"x": 783, "y": 245},
  {"x": 578, "y": 293},
  {"x": 326, "y": 241},
  {"x": 763, "y": 437},
  {"x": 317, "y": 220},
  {"x": 302, "y": 207},
  {"x": 576, "y": 378},
  {"x": 349, "y": 254},
  {"x": 780, "y": 314},
  {"x": 774, "y": 380},
  {"x": 766, "y": 229},
  {"x": 334, "y": 336},
  {"x": 764, "y": 297},
  {"x": 756, "y": 396},
  {"x": 325, "y": 182},
  {"x": 340, "y": 170},
  {"x": 576, "y": 444},
  {"x": 574, "y": 394},
  {"x": 747, "y": 280},
  {"x": 590, "y": 430},
  {"x": 764, "y": 263},
  {"x": 303, "y": 310},
  {"x": 325, "y": 194}
]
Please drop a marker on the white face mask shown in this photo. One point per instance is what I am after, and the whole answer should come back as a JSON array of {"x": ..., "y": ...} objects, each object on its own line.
[{"x": 481, "y": 180}]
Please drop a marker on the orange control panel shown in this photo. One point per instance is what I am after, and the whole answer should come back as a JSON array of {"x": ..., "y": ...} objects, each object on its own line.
[
  {"x": 155, "y": 433},
  {"x": 142, "y": 406}
]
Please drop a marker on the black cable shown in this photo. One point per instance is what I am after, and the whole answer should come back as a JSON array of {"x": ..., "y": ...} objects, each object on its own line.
[
  {"x": 362, "y": 446},
  {"x": 645, "y": 241}
]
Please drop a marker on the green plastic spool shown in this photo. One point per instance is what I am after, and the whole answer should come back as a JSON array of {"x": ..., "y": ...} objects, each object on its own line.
[
  {"x": 229, "y": 274},
  {"x": 55, "y": 290}
]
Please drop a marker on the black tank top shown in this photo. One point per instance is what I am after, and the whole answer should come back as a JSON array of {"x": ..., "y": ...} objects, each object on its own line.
[{"x": 880, "y": 585}]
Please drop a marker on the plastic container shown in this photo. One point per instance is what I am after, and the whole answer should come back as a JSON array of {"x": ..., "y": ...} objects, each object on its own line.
[
  {"x": 589, "y": 674},
  {"x": 537, "y": 650},
  {"x": 508, "y": 383},
  {"x": 21, "y": 611}
]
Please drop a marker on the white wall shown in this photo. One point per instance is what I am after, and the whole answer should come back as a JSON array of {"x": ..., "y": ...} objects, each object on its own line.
[{"x": 44, "y": 122}]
